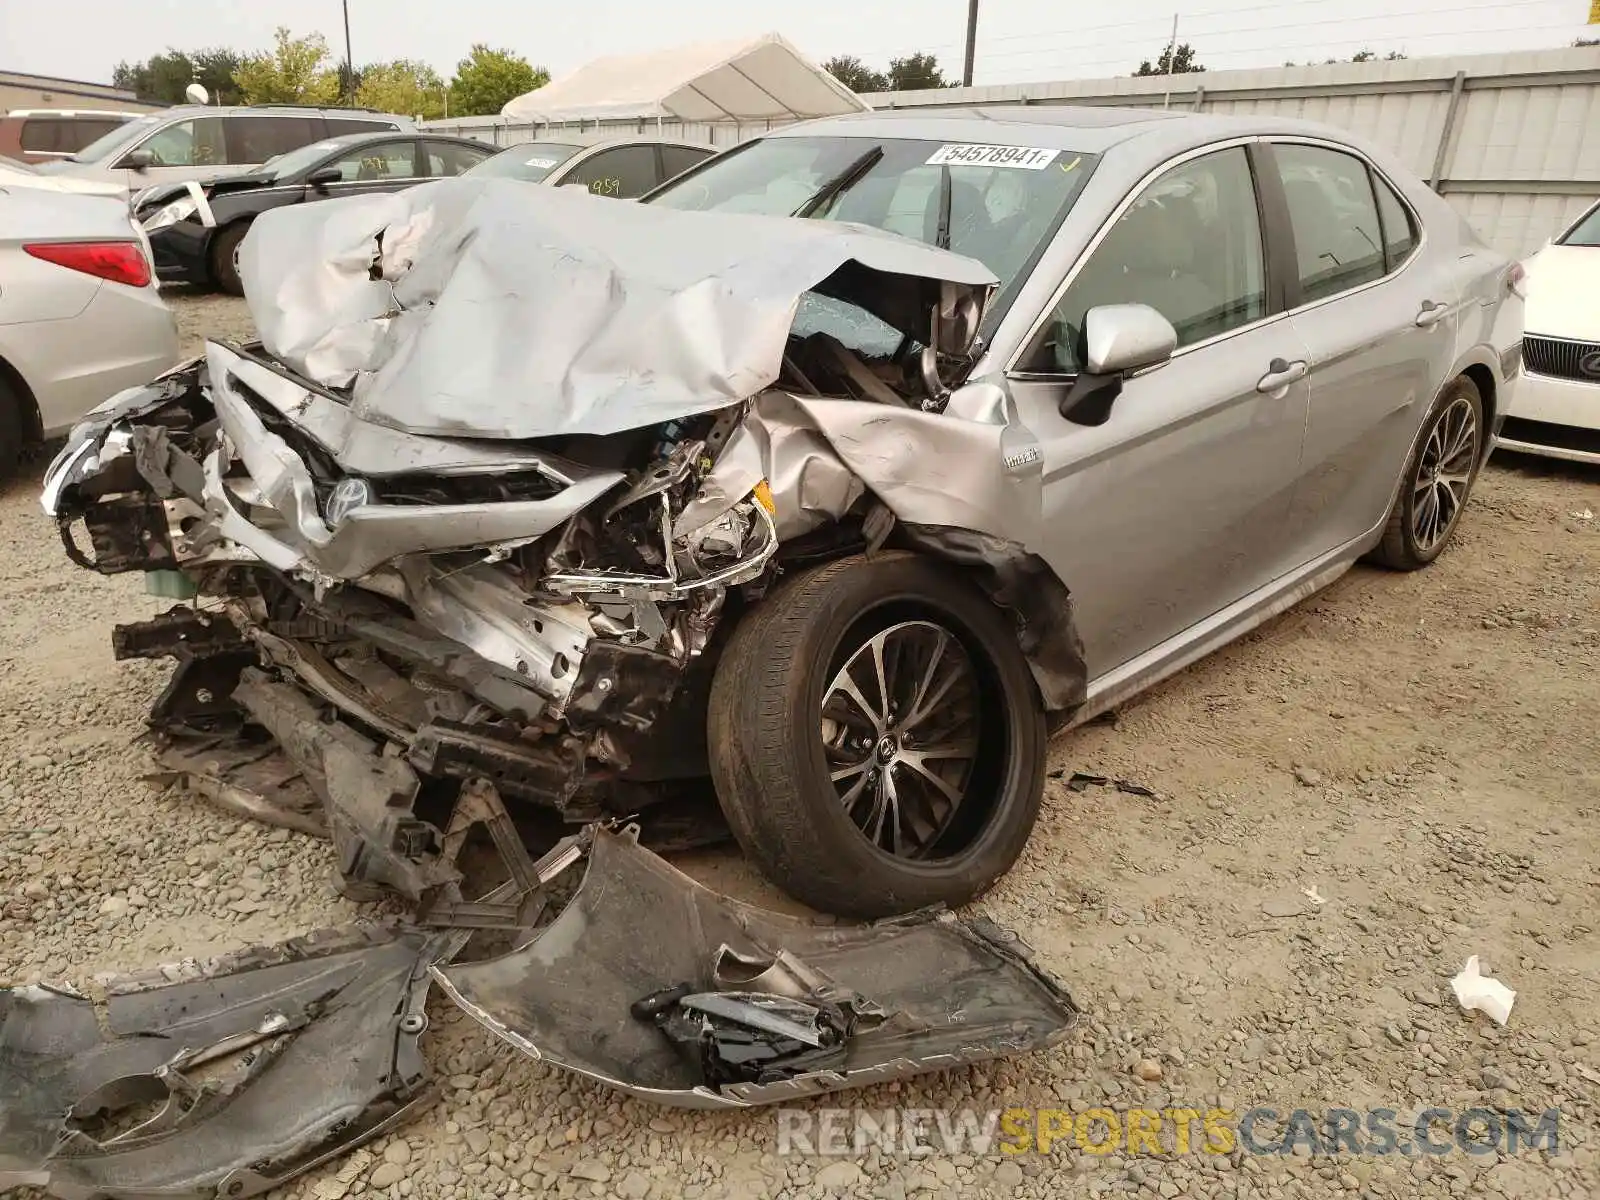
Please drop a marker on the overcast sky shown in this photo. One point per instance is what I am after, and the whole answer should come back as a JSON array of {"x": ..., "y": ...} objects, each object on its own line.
[{"x": 1019, "y": 40}]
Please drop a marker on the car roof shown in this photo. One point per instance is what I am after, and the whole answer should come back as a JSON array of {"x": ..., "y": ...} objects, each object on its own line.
[
  {"x": 1091, "y": 129},
  {"x": 590, "y": 142},
  {"x": 97, "y": 113},
  {"x": 304, "y": 110}
]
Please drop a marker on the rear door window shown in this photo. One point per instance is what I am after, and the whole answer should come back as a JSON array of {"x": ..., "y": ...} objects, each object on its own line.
[
  {"x": 64, "y": 135},
  {"x": 257, "y": 139},
  {"x": 1338, "y": 239},
  {"x": 624, "y": 172},
  {"x": 452, "y": 158},
  {"x": 339, "y": 126},
  {"x": 675, "y": 160},
  {"x": 1399, "y": 226}
]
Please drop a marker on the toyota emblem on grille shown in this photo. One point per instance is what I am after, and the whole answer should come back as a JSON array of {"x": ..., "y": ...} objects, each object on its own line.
[{"x": 1589, "y": 364}]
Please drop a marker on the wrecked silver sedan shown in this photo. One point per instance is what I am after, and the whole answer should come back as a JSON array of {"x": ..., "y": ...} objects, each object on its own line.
[
  {"x": 524, "y": 488},
  {"x": 594, "y": 502}
]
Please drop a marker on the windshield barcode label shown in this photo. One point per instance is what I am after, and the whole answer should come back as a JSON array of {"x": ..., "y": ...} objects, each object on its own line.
[{"x": 1029, "y": 158}]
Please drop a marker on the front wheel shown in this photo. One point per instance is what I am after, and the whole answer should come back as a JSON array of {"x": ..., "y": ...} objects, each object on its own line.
[
  {"x": 1438, "y": 479},
  {"x": 876, "y": 738},
  {"x": 225, "y": 258}
]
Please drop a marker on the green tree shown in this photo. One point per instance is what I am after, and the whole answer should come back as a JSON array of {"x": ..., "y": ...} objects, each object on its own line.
[
  {"x": 164, "y": 76},
  {"x": 1169, "y": 62},
  {"x": 486, "y": 79},
  {"x": 855, "y": 74},
  {"x": 297, "y": 71},
  {"x": 405, "y": 87},
  {"x": 915, "y": 72}
]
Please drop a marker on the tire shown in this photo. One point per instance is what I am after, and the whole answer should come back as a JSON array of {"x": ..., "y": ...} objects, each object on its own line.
[
  {"x": 771, "y": 765},
  {"x": 13, "y": 430},
  {"x": 1438, "y": 476},
  {"x": 224, "y": 252}
]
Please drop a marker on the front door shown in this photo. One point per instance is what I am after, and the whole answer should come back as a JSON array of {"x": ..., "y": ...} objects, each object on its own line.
[
  {"x": 1177, "y": 506},
  {"x": 1379, "y": 318}
]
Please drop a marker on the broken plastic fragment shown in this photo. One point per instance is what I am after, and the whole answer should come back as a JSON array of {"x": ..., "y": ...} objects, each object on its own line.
[{"x": 1480, "y": 993}]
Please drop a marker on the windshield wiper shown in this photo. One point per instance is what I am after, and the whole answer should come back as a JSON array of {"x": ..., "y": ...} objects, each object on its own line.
[
  {"x": 840, "y": 182},
  {"x": 942, "y": 237}
]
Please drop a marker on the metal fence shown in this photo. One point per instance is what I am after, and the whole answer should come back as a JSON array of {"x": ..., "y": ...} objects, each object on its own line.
[{"x": 1513, "y": 140}]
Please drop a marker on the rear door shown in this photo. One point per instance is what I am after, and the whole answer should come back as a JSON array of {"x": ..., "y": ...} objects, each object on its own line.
[
  {"x": 1379, "y": 317},
  {"x": 1175, "y": 508}
]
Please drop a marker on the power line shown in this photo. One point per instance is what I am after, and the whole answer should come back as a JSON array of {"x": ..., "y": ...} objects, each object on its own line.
[
  {"x": 1189, "y": 33},
  {"x": 1278, "y": 46}
]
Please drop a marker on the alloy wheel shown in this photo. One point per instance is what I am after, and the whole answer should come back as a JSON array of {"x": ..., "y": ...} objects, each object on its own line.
[
  {"x": 1444, "y": 472},
  {"x": 900, "y": 723}
]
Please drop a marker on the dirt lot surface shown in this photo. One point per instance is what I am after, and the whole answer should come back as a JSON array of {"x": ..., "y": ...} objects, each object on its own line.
[{"x": 1421, "y": 751}]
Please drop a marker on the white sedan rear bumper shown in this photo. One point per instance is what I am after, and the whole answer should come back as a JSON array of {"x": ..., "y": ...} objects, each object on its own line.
[
  {"x": 1559, "y": 418},
  {"x": 124, "y": 337}
]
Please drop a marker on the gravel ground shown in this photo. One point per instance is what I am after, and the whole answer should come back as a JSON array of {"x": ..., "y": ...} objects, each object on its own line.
[{"x": 1419, "y": 750}]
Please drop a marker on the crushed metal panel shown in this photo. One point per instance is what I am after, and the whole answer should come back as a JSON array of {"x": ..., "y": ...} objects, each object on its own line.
[
  {"x": 958, "y": 992},
  {"x": 484, "y": 308},
  {"x": 240, "y": 1075}
]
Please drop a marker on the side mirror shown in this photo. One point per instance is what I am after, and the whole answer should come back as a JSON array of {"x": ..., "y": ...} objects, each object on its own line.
[
  {"x": 323, "y": 176},
  {"x": 139, "y": 160},
  {"x": 1121, "y": 338},
  {"x": 1118, "y": 340}
]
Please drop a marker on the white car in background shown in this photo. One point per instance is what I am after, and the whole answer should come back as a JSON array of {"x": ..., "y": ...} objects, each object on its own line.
[
  {"x": 19, "y": 174},
  {"x": 80, "y": 317},
  {"x": 1556, "y": 410}
]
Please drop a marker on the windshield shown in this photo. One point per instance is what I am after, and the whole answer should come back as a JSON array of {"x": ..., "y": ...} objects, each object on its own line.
[
  {"x": 1586, "y": 232},
  {"x": 1003, "y": 203},
  {"x": 108, "y": 144},
  {"x": 531, "y": 161},
  {"x": 295, "y": 160}
]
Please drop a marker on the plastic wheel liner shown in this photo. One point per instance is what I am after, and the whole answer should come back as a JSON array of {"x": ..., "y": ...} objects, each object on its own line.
[
  {"x": 219, "y": 1081},
  {"x": 924, "y": 993}
]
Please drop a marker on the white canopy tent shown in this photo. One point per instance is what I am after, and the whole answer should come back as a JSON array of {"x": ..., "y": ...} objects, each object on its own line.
[{"x": 761, "y": 79}]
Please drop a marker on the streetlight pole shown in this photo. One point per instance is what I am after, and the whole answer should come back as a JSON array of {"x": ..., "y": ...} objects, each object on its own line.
[
  {"x": 972, "y": 42},
  {"x": 349, "y": 59}
]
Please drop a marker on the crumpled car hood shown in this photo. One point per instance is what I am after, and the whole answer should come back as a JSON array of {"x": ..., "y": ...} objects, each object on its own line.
[{"x": 490, "y": 309}]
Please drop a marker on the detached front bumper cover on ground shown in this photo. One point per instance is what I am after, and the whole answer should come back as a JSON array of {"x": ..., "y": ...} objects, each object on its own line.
[{"x": 230, "y": 1079}]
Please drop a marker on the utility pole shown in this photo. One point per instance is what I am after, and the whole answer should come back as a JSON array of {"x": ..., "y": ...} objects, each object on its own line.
[
  {"x": 349, "y": 59},
  {"x": 972, "y": 42}
]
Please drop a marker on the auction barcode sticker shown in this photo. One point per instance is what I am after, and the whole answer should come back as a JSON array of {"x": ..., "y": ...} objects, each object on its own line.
[
  {"x": 540, "y": 162},
  {"x": 1028, "y": 158}
]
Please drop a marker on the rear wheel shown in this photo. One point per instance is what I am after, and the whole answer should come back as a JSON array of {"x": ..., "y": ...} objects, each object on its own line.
[
  {"x": 13, "y": 430},
  {"x": 225, "y": 258},
  {"x": 876, "y": 739},
  {"x": 1437, "y": 481}
]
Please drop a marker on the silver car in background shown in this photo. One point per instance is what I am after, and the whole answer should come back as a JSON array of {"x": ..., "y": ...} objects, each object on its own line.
[
  {"x": 840, "y": 469},
  {"x": 80, "y": 316}
]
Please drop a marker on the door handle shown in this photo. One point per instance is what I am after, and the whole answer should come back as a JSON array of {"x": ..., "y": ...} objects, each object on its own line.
[
  {"x": 1281, "y": 374},
  {"x": 1431, "y": 314}
]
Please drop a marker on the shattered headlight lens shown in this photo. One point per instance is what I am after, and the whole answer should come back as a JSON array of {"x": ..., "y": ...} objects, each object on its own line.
[
  {"x": 347, "y": 496},
  {"x": 180, "y": 209}
]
